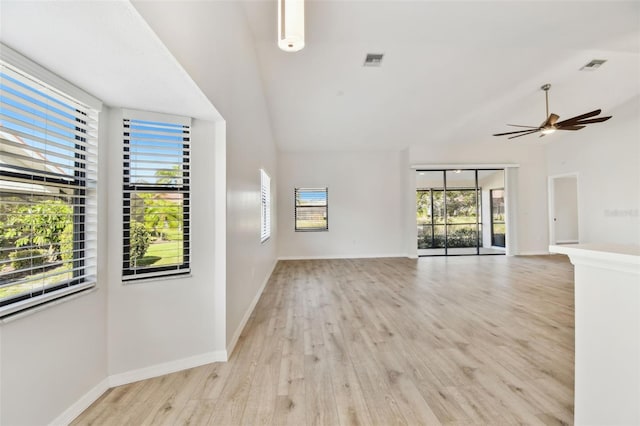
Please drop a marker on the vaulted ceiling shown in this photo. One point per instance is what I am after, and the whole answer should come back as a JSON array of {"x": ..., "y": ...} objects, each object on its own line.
[
  {"x": 453, "y": 71},
  {"x": 105, "y": 48}
]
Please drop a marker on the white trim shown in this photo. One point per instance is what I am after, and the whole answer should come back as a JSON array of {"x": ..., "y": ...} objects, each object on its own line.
[
  {"x": 155, "y": 276},
  {"x": 134, "y": 114},
  {"x": 606, "y": 256},
  {"x": 533, "y": 253},
  {"x": 347, "y": 256},
  {"x": 133, "y": 376},
  {"x": 220, "y": 234},
  {"x": 166, "y": 368},
  {"x": 463, "y": 166},
  {"x": 234, "y": 340},
  {"x": 511, "y": 200},
  {"x": 82, "y": 404},
  {"x": 26, "y": 65},
  {"x": 567, "y": 242},
  {"x": 27, "y": 307}
]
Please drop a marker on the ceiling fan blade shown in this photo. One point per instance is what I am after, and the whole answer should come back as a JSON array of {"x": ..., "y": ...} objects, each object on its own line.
[
  {"x": 517, "y": 131},
  {"x": 579, "y": 117},
  {"x": 550, "y": 121},
  {"x": 519, "y": 125},
  {"x": 571, "y": 127},
  {"x": 590, "y": 121},
  {"x": 524, "y": 134}
]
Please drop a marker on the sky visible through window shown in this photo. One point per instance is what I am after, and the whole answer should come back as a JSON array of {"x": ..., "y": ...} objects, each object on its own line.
[
  {"x": 56, "y": 140},
  {"x": 150, "y": 152}
]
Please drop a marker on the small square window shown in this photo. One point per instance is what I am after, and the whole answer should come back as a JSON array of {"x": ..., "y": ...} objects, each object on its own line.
[{"x": 311, "y": 209}]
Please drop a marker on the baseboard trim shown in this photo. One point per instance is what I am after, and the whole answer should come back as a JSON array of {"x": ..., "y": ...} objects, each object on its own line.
[
  {"x": 82, "y": 404},
  {"x": 346, "y": 256},
  {"x": 236, "y": 335},
  {"x": 567, "y": 242},
  {"x": 533, "y": 253},
  {"x": 166, "y": 368}
]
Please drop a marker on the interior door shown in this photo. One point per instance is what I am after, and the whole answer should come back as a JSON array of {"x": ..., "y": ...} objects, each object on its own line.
[{"x": 565, "y": 205}]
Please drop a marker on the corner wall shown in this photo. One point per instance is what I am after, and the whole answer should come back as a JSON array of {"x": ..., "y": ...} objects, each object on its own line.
[
  {"x": 606, "y": 158},
  {"x": 153, "y": 323},
  {"x": 227, "y": 72},
  {"x": 51, "y": 357}
]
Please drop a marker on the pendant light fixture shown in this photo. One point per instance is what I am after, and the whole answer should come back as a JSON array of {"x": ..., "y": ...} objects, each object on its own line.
[{"x": 290, "y": 25}]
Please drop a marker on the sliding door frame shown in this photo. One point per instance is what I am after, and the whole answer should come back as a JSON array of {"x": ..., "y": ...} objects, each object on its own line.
[{"x": 478, "y": 206}]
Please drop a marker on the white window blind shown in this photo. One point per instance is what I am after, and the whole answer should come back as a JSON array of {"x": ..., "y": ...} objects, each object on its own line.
[
  {"x": 48, "y": 171},
  {"x": 311, "y": 209},
  {"x": 156, "y": 182},
  {"x": 265, "y": 202}
]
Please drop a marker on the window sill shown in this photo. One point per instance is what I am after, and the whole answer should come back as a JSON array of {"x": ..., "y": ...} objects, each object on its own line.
[
  {"x": 16, "y": 311},
  {"x": 146, "y": 280}
]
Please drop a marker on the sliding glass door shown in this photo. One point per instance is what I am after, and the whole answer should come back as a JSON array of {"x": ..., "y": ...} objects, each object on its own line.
[
  {"x": 497, "y": 218},
  {"x": 430, "y": 212},
  {"x": 462, "y": 212},
  {"x": 450, "y": 215}
]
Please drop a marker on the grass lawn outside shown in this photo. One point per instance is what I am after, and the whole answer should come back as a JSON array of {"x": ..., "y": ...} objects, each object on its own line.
[
  {"x": 162, "y": 253},
  {"x": 37, "y": 282}
]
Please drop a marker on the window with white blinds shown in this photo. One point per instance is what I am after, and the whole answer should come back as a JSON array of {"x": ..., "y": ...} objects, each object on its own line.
[
  {"x": 311, "y": 209},
  {"x": 48, "y": 172},
  {"x": 265, "y": 204},
  {"x": 156, "y": 183}
]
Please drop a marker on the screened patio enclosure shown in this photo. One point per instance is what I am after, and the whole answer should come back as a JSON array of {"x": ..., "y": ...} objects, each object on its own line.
[{"x": 460, "y": 212}]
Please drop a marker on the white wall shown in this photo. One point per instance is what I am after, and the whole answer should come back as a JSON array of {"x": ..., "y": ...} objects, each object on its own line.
[
  {"x": 49, "y": 359},
  {"x": 366, "y": 203},
  {"x": 143, "y": 329},
  {"x": 158, "y": 321},
  {"x": 213, "y": 43},
  {"x": 606, "y": 157},
  {"x": 531, "y": 209}
]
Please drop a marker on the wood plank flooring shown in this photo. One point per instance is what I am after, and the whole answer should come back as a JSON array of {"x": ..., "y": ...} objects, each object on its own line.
[{"x": 462, "y": 340}]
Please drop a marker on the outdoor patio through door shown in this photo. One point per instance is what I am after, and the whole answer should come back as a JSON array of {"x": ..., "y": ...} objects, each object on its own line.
[{"x": 450, "y": 214}]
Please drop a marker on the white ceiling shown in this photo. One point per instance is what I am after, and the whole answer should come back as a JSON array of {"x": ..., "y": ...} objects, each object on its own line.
[
  {"x": 106, "y": 49},
  {"x": 453, "y": 71}
]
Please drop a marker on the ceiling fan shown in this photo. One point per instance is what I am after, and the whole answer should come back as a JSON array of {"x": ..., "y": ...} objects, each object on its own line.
[{"x": 551, "y": 124}]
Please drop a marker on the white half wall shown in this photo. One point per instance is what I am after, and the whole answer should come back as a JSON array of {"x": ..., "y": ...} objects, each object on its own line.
[
  {"x": 366, "y": 203},
  {"x": 606, "y": 157},
  {"x": 531, "y": 182},
  {"x": 214, "y": 44}
]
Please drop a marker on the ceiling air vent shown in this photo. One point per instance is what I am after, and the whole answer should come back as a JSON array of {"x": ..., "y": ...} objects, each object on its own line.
[
  {"x": 373, "y": 59},
  {"x": 593, "y": 65}
]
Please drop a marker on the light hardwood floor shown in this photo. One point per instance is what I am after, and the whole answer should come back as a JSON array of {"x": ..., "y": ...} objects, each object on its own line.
[{"x": 462, "y": 340}]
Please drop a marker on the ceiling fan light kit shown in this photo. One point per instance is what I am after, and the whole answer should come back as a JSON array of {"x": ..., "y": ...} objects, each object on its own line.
[
  {"x": 291, "y": 25},
  {"x": 551, "y": 124}
]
